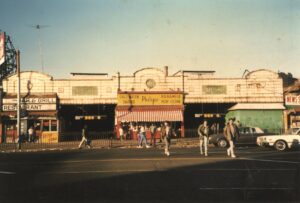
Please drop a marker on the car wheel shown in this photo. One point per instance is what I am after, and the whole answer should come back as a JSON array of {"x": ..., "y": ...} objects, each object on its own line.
[
  {"x": 222, "y": 143},
  {"x": 280, "y": 145}
]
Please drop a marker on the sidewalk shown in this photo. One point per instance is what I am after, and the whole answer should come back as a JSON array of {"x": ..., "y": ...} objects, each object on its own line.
[{"x": 96, "y": 144}]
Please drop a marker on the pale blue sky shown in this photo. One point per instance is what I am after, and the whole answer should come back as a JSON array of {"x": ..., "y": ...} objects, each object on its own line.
[{"x": 227, "y": 36}]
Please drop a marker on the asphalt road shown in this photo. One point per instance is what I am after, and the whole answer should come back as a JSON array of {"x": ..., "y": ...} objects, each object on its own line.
[{"x": 146, "y": 175}]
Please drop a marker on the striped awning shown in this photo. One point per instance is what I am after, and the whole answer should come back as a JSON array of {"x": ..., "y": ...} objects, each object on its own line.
[{"x": 150, "y": 114}]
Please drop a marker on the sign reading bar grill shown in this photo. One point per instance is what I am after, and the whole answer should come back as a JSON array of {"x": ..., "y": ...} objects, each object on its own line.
[
  {"x": 30, "y": 104},
  {"x": 128, "y": 99}
]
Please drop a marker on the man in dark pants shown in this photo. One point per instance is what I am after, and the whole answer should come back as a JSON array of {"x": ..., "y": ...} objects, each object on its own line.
[
  {"x": 85, "y": 137},
  {"x": 153, "y": 131}
]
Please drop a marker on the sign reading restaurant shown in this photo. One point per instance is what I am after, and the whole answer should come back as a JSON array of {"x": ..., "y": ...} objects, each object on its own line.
[
  {"x": 143, "y": 99},
  {"x": 30, "y": 104}
]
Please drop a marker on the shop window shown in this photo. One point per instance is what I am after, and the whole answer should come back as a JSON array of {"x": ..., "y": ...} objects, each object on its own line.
[
  {"x": 46, "y": 125},
  {"x": 53, "y": 125}
]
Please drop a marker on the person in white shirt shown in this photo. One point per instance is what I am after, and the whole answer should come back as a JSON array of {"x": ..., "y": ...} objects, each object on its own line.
[
  {"x": 121, "y": 132},
  {"x": 143, "y": 137}
]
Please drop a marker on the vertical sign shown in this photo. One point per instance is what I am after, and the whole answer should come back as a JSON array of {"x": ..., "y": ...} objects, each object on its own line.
[{"x": 2, "y": 48}]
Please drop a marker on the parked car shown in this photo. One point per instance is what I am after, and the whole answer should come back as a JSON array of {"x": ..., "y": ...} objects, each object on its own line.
[
  {"x": 248, "y": 136},
  {"x": 281, "y": 142}
]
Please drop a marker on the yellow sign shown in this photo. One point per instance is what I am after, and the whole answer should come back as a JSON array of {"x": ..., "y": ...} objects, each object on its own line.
[
  {"x": 134, "y": 99},
  {"x": 50, "y": 137}
]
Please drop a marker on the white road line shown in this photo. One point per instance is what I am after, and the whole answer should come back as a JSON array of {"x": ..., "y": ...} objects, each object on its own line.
[
  {"x": 160, "y": 170},
  {"x": 268, "y": 160},
  {"x": 248, "y": 188},
  {"x": 7, "y": 173},
  {"x": 102, "y": 171}
]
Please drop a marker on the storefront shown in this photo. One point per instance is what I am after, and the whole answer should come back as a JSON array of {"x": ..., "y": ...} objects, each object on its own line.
[
  {"x": 267, "y": 116},
  {"x": 37, "y": 111},
  {"x": 150, "y": 108},
  {"x": 292, "y": 113},
  {"x": 148, "y": 96}
]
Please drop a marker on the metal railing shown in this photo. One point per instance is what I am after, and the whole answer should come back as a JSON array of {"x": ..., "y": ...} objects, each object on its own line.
[{"x": 98, "y": 139}]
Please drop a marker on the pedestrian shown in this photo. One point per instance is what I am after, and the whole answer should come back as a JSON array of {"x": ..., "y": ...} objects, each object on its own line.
[
  {"x": 203, "y": 132},
  {"x": 121, "y": 132},
  {"x": 85, "y": 138},
  {"x": 162, "y": 131},
  {"x": 231, "y": 133},
  {"x": 143, "y": 139},
  {"x": 167, "y": 133},
  {"x": 20, "y": 140},
  {"x": 152, "y": 132},
  {"x": 214, "y": 128},
  {"x": 30, "y": 134}
]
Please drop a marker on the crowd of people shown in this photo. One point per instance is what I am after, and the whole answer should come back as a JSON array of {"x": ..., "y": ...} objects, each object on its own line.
[
  {"x": 138, "y": 131},
  {"x": 166, "y": 132}
]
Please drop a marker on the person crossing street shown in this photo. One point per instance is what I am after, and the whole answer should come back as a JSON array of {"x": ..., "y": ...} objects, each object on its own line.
[{"x": 203, "y": 132}]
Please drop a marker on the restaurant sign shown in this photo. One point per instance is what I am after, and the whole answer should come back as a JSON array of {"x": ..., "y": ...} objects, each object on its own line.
[
  {"x": 130, "y": 99},
  {"x": 292, "y": 100},
  {"x": 30, "y": 104}
]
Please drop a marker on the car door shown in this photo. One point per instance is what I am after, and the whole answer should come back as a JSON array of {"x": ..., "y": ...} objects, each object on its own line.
[
  {"x": 255, "y": 134},
  {"x": 245, "y": 135}
]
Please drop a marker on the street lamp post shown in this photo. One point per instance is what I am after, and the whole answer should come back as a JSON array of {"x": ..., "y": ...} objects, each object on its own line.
[{"x": 18, "y": 101}]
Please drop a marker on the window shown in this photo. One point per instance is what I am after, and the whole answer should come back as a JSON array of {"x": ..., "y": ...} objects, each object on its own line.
[
  {"x": 46, "y": 125},
  {"x": 53, "y": 125}
]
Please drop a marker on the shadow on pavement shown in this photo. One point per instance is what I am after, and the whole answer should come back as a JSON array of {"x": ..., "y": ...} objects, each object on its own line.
[{"x": 218, "y": 181}]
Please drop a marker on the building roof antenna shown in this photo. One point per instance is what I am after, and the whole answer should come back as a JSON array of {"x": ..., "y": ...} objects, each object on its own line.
[{"x": 38, "y": 27}]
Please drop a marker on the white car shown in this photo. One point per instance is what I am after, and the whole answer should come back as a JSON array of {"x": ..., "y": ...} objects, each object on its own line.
[{"x": 282, "y": 141}]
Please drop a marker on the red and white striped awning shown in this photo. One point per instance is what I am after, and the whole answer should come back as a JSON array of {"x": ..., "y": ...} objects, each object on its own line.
[{"x": 149, "y": 114}]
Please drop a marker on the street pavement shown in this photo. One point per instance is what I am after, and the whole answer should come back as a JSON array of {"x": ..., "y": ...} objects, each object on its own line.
[{"x": 147, "y": 175}]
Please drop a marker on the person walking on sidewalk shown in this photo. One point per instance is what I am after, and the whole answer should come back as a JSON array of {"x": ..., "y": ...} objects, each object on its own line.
[
  {"x": 153, "y": 132},
  {"x": 143, "y": 138},
  {"x": 203, "y": 132},
  {"x": 85, "y": 137},
  {"x": 121, "y": 132},
  {"x": 30, "y": 134},
  {"x": 167, "y": 134},
  {"x": 231, "y": 133}
]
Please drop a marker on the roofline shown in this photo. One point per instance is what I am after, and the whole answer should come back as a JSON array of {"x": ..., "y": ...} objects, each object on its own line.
[
  {"x": 198, "y": 71},
  {"x": 194, "y": 71},
  {"x": 89, "y": 74}
]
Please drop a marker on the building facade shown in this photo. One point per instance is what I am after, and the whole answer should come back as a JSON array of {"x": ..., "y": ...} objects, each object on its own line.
[{"x": 58, "y": 107}]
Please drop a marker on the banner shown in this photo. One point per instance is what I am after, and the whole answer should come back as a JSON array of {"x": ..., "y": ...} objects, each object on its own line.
[
  {"x": 49, "y": 137},
  {"x": 137, "y": 99},
  {"x": 2, "y": 48}
]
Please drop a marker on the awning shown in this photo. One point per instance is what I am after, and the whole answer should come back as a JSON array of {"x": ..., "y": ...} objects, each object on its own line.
[
  {"x": 149, "y": 114},
  {"x": 257, "y": 106},
  {"x": 30, "y": 114}
]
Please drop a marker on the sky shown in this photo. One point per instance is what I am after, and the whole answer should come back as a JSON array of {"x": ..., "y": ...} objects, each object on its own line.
[{"x": 110, "y": 36}]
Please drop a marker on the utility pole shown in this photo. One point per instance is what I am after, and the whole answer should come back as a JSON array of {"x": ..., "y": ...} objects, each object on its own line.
[{"x": 18, "y": 101}]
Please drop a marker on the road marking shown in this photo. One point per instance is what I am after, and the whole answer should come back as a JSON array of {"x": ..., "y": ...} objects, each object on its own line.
[
  {"x": 103, "y": 171},
  {"x": 160, "y": 170},
  {"x": 268, "y": 160},
  {"x": 248, "y": 188},
  {"x": 7, "y": 173}
]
